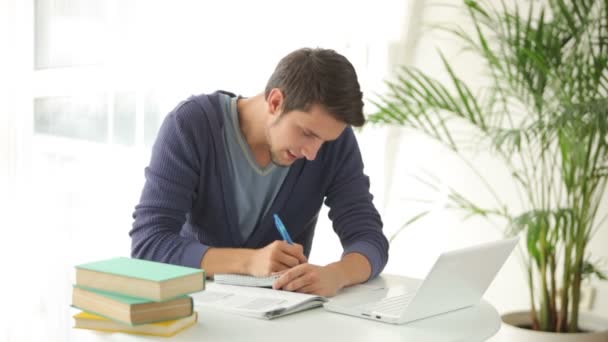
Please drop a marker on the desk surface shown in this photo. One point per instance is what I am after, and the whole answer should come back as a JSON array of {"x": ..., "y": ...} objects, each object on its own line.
[{"x": 476, "y": 323}]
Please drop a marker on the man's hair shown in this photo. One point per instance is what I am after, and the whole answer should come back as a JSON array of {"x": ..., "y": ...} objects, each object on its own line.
[{"x": 323, "y": 77}]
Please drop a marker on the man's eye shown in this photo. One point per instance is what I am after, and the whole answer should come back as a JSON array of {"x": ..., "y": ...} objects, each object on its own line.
[{"x": 307, "y": 134}]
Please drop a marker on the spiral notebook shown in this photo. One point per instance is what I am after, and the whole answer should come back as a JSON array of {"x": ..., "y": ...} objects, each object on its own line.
[{"x": 245, "y": 280}]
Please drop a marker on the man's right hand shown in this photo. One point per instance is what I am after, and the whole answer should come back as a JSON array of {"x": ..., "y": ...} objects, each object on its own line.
[{"x": 275, "y": 257}]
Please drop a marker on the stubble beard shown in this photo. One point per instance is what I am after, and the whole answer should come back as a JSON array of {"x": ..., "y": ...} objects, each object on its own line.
[{"x": 276, "y": 160}]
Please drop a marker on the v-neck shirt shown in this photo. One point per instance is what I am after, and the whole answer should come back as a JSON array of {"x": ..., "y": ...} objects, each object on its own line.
[{"x": 254, "y": 187}]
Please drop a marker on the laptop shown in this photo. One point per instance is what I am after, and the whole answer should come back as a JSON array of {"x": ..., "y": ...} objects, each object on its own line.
[{"x": 457, "y": 280}]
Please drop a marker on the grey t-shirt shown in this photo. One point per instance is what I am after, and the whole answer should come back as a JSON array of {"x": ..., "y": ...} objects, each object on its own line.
[{"x": 254, "y": 187}]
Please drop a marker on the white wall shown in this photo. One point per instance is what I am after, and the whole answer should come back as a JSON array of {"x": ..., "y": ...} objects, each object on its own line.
[
  {"x": 6, "y": 132},
  {"x": 6, "y": 98}
]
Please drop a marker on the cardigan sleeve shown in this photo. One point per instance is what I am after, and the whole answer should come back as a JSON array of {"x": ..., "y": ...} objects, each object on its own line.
[
  {"x": 354, "y": 216},
  {"x": 170, "y": 190}
]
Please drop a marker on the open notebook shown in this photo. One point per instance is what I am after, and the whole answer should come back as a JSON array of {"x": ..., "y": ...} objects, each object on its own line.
[{"x": 256, "y": 302}]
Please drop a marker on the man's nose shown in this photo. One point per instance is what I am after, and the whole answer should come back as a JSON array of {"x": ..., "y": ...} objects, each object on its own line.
[{"x": 310, "y": 150}]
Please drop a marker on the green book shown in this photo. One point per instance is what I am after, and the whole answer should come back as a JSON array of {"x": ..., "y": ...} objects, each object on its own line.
[
  {"x": 130, "y": 310},
  {"x": 145, "y": 279}
]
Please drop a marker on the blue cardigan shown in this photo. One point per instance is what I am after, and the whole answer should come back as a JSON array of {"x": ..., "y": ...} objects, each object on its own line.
[{"x": 187, "y": 205}]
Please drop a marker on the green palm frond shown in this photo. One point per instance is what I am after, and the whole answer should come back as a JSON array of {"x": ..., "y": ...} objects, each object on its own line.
[{"x": 544, "y": 114}]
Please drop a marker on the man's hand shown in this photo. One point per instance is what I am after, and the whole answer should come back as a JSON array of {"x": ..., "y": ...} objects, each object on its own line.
[
  {"x": 276, "y": 257},
  {"x": 353, "y": 268},
  {"x": 309, "y": 278}
]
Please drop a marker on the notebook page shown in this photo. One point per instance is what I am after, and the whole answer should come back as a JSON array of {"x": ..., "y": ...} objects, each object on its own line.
[{"x": 254, "y": 301}]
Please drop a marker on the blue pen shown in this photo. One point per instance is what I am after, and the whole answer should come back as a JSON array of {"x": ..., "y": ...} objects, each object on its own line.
[{"x": 282, "y": 230}]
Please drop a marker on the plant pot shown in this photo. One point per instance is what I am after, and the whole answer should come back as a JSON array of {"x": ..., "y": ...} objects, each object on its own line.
[{"x": 596, "y": 330}]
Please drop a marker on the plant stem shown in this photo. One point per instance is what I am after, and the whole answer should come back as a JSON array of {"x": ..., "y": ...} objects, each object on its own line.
[
  {"x": 562, "y": 320},
  {"x": 576, "y": 294},
  {"x": 553, "y": 293},
  {"x": 533, "y": 314}
]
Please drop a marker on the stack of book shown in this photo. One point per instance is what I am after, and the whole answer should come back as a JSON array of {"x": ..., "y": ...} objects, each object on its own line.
[{"x": 135, "y": 296}]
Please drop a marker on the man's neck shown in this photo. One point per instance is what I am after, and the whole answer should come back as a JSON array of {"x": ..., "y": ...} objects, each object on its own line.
[{"x": 252, "y": 121}]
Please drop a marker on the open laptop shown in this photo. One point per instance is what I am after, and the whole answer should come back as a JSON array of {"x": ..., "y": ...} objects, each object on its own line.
[{"x": 457, "y": 280}]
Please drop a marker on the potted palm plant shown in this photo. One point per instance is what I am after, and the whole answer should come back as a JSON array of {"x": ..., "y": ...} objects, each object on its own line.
[{"x": 545, "y": 116}]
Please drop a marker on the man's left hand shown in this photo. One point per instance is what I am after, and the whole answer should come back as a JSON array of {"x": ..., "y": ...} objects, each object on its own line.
[{"x": 309, "y": 278}]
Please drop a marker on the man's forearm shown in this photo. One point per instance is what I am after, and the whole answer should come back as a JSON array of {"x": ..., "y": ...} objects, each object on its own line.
[
  {"x": 226, "y": 260},
  {"x": 354, "y": 268},
  {"x": 275, "y": 257}
]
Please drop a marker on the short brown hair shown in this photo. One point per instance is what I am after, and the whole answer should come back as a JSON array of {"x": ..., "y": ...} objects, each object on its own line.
[{"x": 319, "y": 77}]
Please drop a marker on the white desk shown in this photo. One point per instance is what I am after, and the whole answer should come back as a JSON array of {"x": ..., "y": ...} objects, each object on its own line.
[{"x": 477, "y": 323}]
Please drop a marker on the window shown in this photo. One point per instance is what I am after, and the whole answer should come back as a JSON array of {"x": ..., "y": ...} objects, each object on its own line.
[
  {"x": 93, "y": 81},
  {"x": 84, "y": 117}
]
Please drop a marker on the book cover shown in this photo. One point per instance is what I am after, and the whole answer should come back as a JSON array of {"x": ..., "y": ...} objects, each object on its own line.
[
  {"x": 140, "y": 278},
  {"x": 87, "y": 320},
  {"x": 130, "y": 310}
]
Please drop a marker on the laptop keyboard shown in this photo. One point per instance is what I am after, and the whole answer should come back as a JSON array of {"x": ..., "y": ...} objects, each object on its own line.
[{"x": 393, "y": 306}]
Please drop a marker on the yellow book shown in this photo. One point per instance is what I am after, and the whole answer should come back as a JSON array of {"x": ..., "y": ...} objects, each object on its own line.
[{"x": 85, "y": 320}]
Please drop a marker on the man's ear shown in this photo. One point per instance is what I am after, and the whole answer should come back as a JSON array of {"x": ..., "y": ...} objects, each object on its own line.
[{"x": 275, "y": 101}]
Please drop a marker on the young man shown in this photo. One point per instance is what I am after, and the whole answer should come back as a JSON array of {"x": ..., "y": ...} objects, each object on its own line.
[{"x": 222, "y": 165}]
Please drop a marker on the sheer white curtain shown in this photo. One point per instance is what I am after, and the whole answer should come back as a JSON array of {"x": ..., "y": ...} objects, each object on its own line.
[{"x": 89, "y": 83}]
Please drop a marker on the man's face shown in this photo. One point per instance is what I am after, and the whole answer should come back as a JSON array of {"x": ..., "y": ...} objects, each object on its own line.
[{"x": 300, "y": 134}]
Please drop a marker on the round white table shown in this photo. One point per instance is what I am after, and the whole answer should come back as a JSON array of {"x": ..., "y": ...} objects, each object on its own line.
[{"x": 476, "y": 323}]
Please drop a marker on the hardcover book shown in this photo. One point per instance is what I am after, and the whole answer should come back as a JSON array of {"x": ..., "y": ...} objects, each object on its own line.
[
  {"x": 130, "y": 310},
  {"x": 86, "y": 320},
  {"x": 151, "y": 280}
]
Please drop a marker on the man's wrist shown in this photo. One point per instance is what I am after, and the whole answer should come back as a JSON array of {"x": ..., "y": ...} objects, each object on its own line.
[
  {"x": 353, "y": 268},
  {"x": 227, "y": 260},
  {"x": 341, "y": 276},
  {"x": 246, "y": 261}
]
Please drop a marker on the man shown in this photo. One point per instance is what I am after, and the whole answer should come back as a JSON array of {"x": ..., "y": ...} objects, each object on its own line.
[{"x": 222, "y": 165}]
